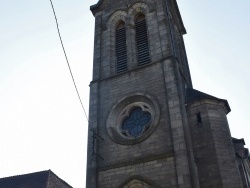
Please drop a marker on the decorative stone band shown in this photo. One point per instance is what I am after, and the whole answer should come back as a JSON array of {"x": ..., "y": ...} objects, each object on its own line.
[{"x": 138, "y": 160}]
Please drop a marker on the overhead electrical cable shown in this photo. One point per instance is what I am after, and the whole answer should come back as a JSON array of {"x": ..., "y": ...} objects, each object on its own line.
[{"x": 68, "y": 60}]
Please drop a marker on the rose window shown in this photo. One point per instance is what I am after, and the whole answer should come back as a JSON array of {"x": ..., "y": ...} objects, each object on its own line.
[
  {"x": 133, "y": 119},
  {"x": 136, "y": 123}
]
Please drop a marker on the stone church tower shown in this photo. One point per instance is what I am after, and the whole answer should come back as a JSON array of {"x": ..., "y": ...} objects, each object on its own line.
[{"x": 148, "y": 127}]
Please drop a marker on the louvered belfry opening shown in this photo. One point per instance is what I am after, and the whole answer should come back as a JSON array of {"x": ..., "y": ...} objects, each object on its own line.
[
  {"x": 121, "y": 48},
  {"x": 142, "y": 40}
]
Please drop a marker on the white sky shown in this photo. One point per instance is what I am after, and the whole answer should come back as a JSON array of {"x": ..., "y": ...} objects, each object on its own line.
[{"x": 42, "y": 124}]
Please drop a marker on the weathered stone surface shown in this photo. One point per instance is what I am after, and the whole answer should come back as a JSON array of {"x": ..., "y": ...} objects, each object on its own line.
[{"x": 178, "y": 152}]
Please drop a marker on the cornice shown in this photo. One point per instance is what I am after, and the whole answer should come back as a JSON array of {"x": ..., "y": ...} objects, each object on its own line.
[{"x": 94, "y": 7}]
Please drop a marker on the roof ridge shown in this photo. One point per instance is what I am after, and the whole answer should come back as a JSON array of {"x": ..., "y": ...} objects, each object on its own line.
[
  {"x": 31, "y": 173},
  {"x": 192, "y": 95}
]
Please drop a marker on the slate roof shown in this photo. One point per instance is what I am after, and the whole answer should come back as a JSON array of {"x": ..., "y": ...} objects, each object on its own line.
[
  {"x": 193, "y": 95},
  {"x": 32, "y": 180},
  {"x": 236, "y": 140}
]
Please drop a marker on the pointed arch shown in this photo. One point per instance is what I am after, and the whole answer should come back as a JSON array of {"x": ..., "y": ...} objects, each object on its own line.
[
  {"x": 115, "y": 18},
  {"x": 138, "y": 182},
  {"x": 144, "y": 8},
  {"x": 135, "y": 183}
]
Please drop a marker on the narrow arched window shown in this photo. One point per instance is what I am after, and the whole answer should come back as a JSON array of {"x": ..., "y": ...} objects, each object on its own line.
[
  {"x": 121, "y": 48},
  {"x": 142, "y": 40}
]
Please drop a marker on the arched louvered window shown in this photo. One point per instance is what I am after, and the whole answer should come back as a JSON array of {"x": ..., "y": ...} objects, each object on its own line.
[
  {"x": 121, "y": 48},
  {"x": 142, "y": 40}
]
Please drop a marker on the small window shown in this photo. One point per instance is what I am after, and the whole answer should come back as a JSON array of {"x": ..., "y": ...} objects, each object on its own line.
[
  {"x": 142, "y": 40},
  {"x": 121, "y": 48},
  {"x": 198, "y": 115}
]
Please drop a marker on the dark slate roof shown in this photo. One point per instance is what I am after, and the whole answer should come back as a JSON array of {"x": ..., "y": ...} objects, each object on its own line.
[
  {"x": 33, "y": 180},
  {"x": 236, "y": 140},
  {"x": 193, "y": 95}
]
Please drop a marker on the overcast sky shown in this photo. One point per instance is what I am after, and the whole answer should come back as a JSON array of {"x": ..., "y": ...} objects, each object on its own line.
[{"x": 42, "y": 124}]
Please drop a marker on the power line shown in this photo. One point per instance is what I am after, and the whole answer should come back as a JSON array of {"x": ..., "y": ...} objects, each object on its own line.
[{"x": 68, "y": 60}]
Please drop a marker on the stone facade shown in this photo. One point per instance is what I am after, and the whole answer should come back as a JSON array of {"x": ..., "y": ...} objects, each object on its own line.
[
  {"x": 212, "y": 144},
  {"x": 166, "y": 152},
  {"x": 243, "y": 161}
]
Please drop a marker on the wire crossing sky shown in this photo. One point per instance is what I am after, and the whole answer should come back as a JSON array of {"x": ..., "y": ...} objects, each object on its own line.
[
  {"x": 57, "y": 25},
  {"x": 41, "y": 121}
]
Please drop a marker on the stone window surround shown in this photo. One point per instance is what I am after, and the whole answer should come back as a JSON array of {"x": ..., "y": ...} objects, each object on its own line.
[
  {"x": 116, "y": 117},
  {"x": 138, "y": 182},
  {"x": 128, "y": 17},
  {"x": 135, "y": 183}
]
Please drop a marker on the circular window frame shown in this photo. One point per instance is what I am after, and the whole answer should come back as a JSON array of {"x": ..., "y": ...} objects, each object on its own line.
[{"x": 121, "y": 110}]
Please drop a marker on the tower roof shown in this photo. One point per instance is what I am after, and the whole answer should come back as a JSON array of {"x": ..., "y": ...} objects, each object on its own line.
[{"x": 193, "y": 95}]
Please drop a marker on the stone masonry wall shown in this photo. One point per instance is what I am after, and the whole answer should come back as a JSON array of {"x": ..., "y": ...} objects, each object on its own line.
[
  {"x": 159, "y": 79},
  {"x": 147, "y": 80},
  {"x": 159, "y": 172},
  {"x": 213, "y": 150}
]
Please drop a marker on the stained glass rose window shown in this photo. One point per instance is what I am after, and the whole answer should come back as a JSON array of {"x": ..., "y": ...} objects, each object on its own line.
[
  {"x": 133, "y": 119},
  {"x": 136, "y": 122}
]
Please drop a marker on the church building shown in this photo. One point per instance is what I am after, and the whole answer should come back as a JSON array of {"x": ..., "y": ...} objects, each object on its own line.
[{"x": 148, "y": 126}]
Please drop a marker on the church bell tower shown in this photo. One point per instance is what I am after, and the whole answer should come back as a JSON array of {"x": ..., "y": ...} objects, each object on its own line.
[{"x": 138, "y": 123}]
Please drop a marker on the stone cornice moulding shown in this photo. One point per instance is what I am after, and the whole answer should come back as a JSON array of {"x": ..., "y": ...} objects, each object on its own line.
[{"x": 97, "y": 7}]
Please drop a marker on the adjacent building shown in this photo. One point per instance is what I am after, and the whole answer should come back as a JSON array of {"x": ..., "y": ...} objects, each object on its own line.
[{"x": 43, "y": 179}]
